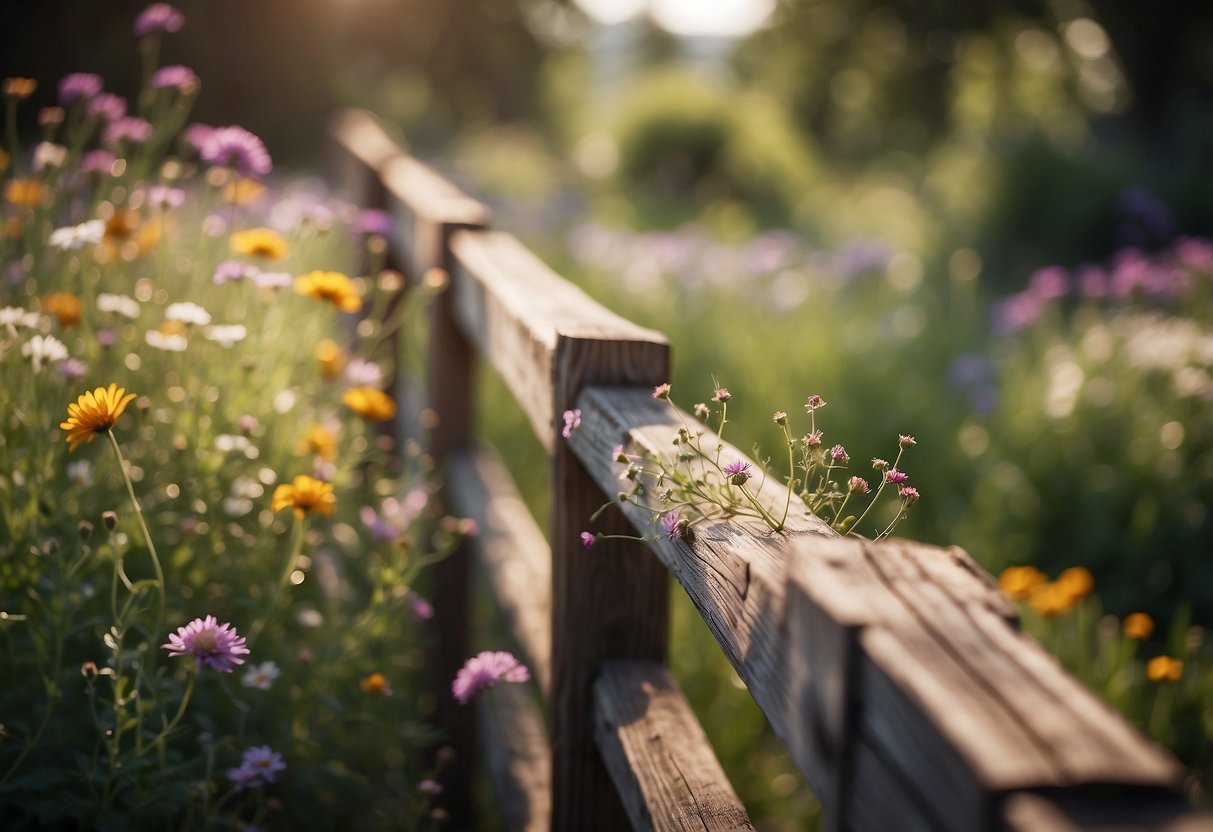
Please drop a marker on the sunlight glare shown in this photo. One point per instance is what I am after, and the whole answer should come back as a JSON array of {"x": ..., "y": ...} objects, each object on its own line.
[{"x": 721, "y": 18}]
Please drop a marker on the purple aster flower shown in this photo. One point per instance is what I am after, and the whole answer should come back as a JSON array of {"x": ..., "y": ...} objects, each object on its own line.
[
  {"x": 98, "y": 161},
  {"x": 106, "y": 106},
  {"x": 909, "y": 494},
  {"x": 236, "y": 148},
  {"x": 373, "y": 221},
  {"x": 839, "y": 454},
  {"x": 738, "y": 472},
  {"x": 813, "y": 440},
  {"x": 228, "y": 270},
  {"x": 484, "y": 670},
  {"x": 156, "y": 18},
  {"x": 587, "y": 539},
  {"x": 127, "y": 129},
  {"x": 210, "y": 643},
  {"x": 244, "y": 777},
  {"x": 572, "y": 421},
  {"x": 197, "y": 135},
  {"x": 78, "y": 86},
  {"x": 260, "y": 764},
  {"x": 894, "y": 476},
  {"x": 106, "y": 337},
  {"x": 675, "y": 525},
  {"x": 174, "y": 77}
]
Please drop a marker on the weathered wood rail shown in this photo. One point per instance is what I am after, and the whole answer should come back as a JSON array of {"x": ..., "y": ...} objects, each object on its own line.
[{"x": 894, "y": 672}]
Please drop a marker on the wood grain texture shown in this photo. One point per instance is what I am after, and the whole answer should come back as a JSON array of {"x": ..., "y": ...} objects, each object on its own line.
[
  {"x": 659, "y": 758},
  {"x": 1101, "y": 810},
  {"x": 734, "y": 571},
  {"x": 515, "y": 751},
  {"x": 358, "y": 148},
  {"x": 514, "y": 308},
  {"x": 511, "y": 550}
]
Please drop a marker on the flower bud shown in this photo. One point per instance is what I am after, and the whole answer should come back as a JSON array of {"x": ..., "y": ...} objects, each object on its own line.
[
  {"x": 110, "y": 519},
  {"x": 904, "y": 441},
  {"x": 85, "y": 529},
  {"x": 780, "y": 418}
]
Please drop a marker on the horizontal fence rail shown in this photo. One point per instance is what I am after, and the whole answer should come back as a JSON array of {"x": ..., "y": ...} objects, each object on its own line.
[{"x": 895, "y": 673}]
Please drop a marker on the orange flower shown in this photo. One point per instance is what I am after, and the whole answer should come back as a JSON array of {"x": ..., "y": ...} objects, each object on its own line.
[
  {"x": 1019, "y": 582},
  {"x": 333, "y": 287},
  {"x": 259, "y": 242},
  {"x": 319, "y": 441},
  {"x": 1138, "y": 626},
  {"x": 66, "y": 307},
  {"x": 27, "y": 193},
  {"x": 369, "y": 403},
  {"x": 305, "y": 494},
  {"x": 1052, "y": 600},
  {"x": 94, "y": 412},
  {"x": 1164, "y": 669},
  {"x": 1077, "y": 581},
  {"x": 376, "y": 685},
  {"x": 331, "y": 357},
  {"x": 19, "y": 88}
]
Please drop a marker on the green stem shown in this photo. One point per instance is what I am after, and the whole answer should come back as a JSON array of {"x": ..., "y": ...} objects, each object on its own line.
[
  {"x": 292, "y": 558},
  {"x": 147, "y": 535}
]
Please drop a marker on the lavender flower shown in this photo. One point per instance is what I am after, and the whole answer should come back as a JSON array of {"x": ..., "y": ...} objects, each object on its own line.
[
  {"x": 675, "y": 525},
  {"x": 236, "y": 148},
  {"x": 260, "y": 764},
  {"x": 587, "y": 539},
  {"x": 839, "y": 454},
  {"x": 127, "y": 129},
  {"x": 420, "y": 608},
  {"x": 164, "y": 197},
  {"x": 197, "y": 135},
  {"x": 174, "y": 77},
  {"x": 98, "y": 161},
  {"x": 215, "y": 645},
  {"x": 157, "y": 18},
  {"x": 738, "y": 472},
  {"x": 79, "y": 86},
  {"x": 909, "y": 494},
  {"x": 858, "y": 485},
  {"x": 894, "y": 476},
  {"x": 484, "y": 670},
  {"x": 572, "y": 421},
  {"x": 106, "y": 106},
  {"x": 373, "y": 221}
]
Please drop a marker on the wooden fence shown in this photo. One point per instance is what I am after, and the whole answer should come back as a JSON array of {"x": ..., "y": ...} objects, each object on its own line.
[{"x": 895, "y": 673}]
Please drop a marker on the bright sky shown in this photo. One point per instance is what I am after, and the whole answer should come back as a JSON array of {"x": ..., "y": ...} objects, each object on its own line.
[{"x": 687, "y": 17}]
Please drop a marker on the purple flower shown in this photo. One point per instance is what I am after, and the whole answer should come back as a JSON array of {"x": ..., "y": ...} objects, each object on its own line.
[
  {"x": 165, "y": 197},
  {"x": 360, "y": 372},
  {"x": 420, "y": 608},
  {"x": 909, "y": 494},
  {"x": 484, "y": 670},
  {"x": 675, "y": 525},
  {"x": 260, "y": 764},
  {"x": 107, "y": 106},
  {"x": 174, "y": 77},
  {"x": 197, "y": 135},
  {"x": 858, "y": 485},
  {"x": 722, "y": 394},
  {"x": 814, "y": 402},
  {"x": 98, "y": 161},
  {"x": 813, "y": 439},
  {"x": 572, "y": 421},
  {"x": 1049, "y": 283},
  {"x": 228, "y": 270},
  {"x": 839, "y": 454},
  {"x": 894, "y": 476},
  {"x": 236, "y": 148},
  {"x": 127, "y": 129},
  {"x": 78, "y": 85},
  {"x": 587, "y": 539},
  {"x": 273, "y": 280},
  {"x": 1016, "y": 312},
  {"x": 373, "y": 221},
  {"x": 210, "y": 643},
  {"x": 738, "y": 472},
  {"x": 156, "y": 18},
  {"x": 72, "y": 368}
]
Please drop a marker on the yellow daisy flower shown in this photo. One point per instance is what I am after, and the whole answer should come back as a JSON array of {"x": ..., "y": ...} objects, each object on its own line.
[
  {"x": 259, "y": 242},
  {"x": 331, "y": 357},
  {"x": 319, "y": 441},
  {"x": 94, "y": 412},
  {"x": 333, "y": 287},
  {"x": 305, "y": 494},
  {"x": 369, "y": 403}
]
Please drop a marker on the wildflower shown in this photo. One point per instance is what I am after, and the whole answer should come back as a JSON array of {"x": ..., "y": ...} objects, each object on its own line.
[
  {"x": 1019, "y": 582},
  {"x": 236, "y": 148},
  {"x": 49, "y": 155},
  {"x": 675, "y": 525},
  {"x": 1052, "y": 600},
  {"x": 94, "y": 412},
  {"x": 188, "y": 313},
  {"x": 1138, "y": 626},
  {"x": 909, "y": 494},
  {"x": 572, "y": 421},
  {"x": 894, "y": 476},
  {"x": 420, "y": 608},
  {"x": 904, "y": 441},
  {"x": 212, "y": 644},
  {"x": 484, "y": 670},
  {"x": 123, "y": 305},
  {"x": 363, "y": 373},
  {"x": 168, "y": 337},
  {"x": 1076, "y": 581},
  {"x": 260, "y": 764},
  {"x": 721, "y": 395},
  {"x": 80, "y": 473},
  {"x": 779, "y": 417},
  {"x": 226, "y": 335},
  {"x": 702, "y": 411},
  {"x": 376, "y": 685},
  {"x": 243, "y": 191},
  {"x": 273, "y": 280},
  {"x": 879, "y": 464},
  {"x": 839, "y": 454},
  {"x": 157, "y": 18},
  {"x": 814, "y": 402},
  {"x": 25, "y": 193},
  {"x": 107, "y": 107},
  {"x": 12, "y": 317},
  {"x": 78, "y": 86},
  {"x": 858, "y": 485},
  {"x": 1164, "y": 669},
  {"x": 319, "y": 441},
  {"x": 373, "y": 221},
  {"x": 175, "y": 77},
  {"x": 305, "y": 494},
  {"x": 370, "y": 403},
  {"x": 130, "y": 129},
  {"x": 813, "y": 440},
  {"x": 43, "y": 349},
  {"x": 333, "y": 287},
  {"x": 19, "y": 88},
  {"x": 163, "y": 197},
  {"x": 587, "y": 540},
  {"x": 738, "y": 472},
  {"x": 99, "y": 161},
  {"x": 228, "y": 270},
  {"x": 261, "y": 676},
  {"x": 661, "y": 391},
  {"x": 428, "y": 786},
  {"x": 73, "y": 237},
  {"x": 259, "y": 242}
]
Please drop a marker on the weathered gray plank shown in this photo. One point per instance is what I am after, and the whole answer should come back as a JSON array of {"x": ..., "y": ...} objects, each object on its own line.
[
  {"x": 659, "y": 758},
  {"x": 425, "y": 208},
  {"x": 734, "y": 571},
  {"x": 883, "y": 801},
  {"x": 510, "y": 548},
  {"x": 513, "y": 307},
  {"x": 1101, "y": 810},
  {"x": 515, "y": 751}
]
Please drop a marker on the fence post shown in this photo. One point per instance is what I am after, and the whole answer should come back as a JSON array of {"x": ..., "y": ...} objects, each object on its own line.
[{"x": 608, "y": 602}]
